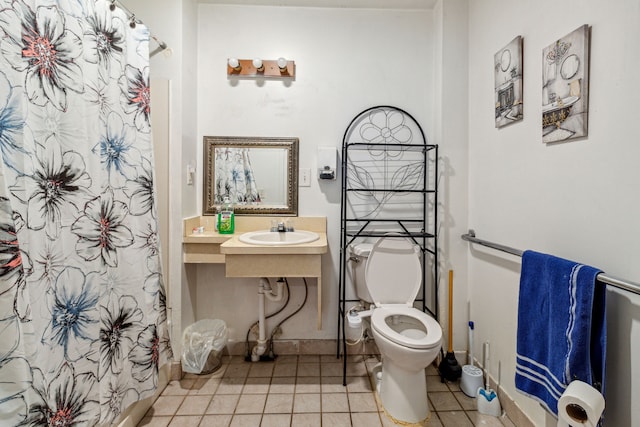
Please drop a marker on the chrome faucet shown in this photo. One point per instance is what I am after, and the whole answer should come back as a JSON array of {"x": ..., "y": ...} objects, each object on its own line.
[{"x": 281, "y": 226}]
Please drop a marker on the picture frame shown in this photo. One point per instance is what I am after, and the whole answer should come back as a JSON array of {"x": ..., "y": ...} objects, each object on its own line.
[
  {"x": 565, "y": 87},
  {"x": 508, "y": 83}
]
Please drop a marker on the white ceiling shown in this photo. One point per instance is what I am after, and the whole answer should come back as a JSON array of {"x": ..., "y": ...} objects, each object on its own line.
[{"x": 367, "y": 4}]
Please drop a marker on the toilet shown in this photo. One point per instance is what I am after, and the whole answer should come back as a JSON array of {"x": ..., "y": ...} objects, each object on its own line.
[{"x": 408, "y": 339}]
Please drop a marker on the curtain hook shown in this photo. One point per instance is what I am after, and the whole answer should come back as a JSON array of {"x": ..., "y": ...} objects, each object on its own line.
[{"x": 112, "y": 6}]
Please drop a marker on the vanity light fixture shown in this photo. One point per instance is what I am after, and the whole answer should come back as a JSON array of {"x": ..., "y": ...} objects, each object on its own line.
[{"x": 268, "y": 68}]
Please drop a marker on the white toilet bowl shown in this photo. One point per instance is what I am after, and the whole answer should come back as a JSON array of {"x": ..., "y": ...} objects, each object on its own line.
[{"x": 408, "y": 339}]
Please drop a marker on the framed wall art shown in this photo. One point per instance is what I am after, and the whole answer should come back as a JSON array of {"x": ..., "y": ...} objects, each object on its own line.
[
  {"x": 508, "y": 83},
  {"x": 565, "y": 87}
]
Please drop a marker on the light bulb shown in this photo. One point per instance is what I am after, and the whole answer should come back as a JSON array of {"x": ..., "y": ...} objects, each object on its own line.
[
  {"x": 282, "y": 64},
  {"x": 257, "y": 63},
  {"x": 234, "y": 63}
]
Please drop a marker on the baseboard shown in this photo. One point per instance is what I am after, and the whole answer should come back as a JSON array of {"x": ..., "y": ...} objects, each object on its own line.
[
  {"x": 305, "y": 347},
  {"x": 511, "y": 408},
  {"x": 176, "y": 371}
]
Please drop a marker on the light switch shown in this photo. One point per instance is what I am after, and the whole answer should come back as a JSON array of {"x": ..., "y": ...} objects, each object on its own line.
[
  {"x": 191, "y": 171},
  {"x": 305, "y": 177}
]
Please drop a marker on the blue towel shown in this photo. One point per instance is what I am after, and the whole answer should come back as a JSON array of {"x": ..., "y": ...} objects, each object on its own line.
[{"x": 561, "y": 328}]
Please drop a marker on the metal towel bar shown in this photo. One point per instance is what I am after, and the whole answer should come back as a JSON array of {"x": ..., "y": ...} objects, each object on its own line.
[{"x": 627, "y": 285}]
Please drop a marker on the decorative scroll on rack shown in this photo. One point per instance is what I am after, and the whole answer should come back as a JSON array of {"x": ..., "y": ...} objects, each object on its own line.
[{"x": 627, "y": 285}]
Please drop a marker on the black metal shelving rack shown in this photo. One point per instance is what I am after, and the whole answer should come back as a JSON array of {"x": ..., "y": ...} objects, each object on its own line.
[{"x": 387, "y": 163}]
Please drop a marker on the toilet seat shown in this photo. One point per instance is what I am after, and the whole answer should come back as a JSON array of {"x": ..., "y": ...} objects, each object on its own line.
[
  {"x": 393, "y": 277},
  {"x": 433, "y": 332}
]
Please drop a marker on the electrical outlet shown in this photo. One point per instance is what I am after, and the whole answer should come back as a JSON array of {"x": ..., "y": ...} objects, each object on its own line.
[{"x": 305, "y": 177}]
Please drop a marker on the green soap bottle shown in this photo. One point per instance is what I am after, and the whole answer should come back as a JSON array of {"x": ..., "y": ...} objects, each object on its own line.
[{"x": 226, "y": 218}]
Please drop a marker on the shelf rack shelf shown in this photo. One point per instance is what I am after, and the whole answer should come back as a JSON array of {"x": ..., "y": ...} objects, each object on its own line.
[{"x": 389, "y": 187}]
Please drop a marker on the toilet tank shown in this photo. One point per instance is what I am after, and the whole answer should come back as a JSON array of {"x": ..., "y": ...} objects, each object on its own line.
[{"x": 358, "y": 254}]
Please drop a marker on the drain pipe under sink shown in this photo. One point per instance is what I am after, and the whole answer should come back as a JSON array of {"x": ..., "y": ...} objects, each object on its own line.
[{"x": 265, "y": 291}]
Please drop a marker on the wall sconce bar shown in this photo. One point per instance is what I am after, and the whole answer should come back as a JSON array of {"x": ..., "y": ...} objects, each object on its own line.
[{"x": 270, "y": 68}]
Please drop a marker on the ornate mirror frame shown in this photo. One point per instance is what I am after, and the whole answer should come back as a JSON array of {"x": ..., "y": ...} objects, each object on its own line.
[{"x": 290, "y": 208}]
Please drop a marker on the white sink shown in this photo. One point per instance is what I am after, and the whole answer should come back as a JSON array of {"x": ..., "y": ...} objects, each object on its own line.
[{"x": 275, "y": 238}]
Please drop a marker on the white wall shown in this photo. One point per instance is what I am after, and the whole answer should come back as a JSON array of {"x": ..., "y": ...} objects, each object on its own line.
[
  {"x": 576, "y": 199},
  {"x": 452, "y": 137},
  {"x": 345, "y": 63}
]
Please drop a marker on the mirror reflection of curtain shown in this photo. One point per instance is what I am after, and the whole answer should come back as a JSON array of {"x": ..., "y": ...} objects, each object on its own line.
[{"x": 234, "y": 176}]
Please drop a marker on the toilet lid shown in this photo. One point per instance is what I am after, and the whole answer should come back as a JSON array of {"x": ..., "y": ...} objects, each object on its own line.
[
  {"x": 393, "y": 273},
  {"x": 432, "y": 338}
]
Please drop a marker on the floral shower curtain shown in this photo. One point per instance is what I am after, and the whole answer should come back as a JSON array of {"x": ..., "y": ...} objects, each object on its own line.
[
  {"x": 83, "y": 325},
  {"x": 234, "y": 176}
]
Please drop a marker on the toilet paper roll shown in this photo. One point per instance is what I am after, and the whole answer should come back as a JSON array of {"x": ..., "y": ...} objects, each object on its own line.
[{"x": 580, "y": 405}]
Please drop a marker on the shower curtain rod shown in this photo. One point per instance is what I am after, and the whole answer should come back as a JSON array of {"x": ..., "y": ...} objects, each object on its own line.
[
  {"x": 627, "y": 285},
  {"x": 133, "y": 20}
]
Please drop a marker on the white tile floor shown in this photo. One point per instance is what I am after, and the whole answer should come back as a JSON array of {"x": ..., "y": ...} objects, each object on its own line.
[{"x": 299, "y": 391}]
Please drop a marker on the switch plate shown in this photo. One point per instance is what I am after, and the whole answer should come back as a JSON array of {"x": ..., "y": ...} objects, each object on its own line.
[
  {"x": 191, "y": 171},
  {"x": 305, "y": 177}
]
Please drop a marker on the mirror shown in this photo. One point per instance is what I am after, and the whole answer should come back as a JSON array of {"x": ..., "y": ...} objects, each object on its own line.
[{"x": 259, "y": 175}]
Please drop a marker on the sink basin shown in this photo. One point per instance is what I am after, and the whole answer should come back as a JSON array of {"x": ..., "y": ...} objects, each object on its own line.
[{"x": 274, "y": 238}]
